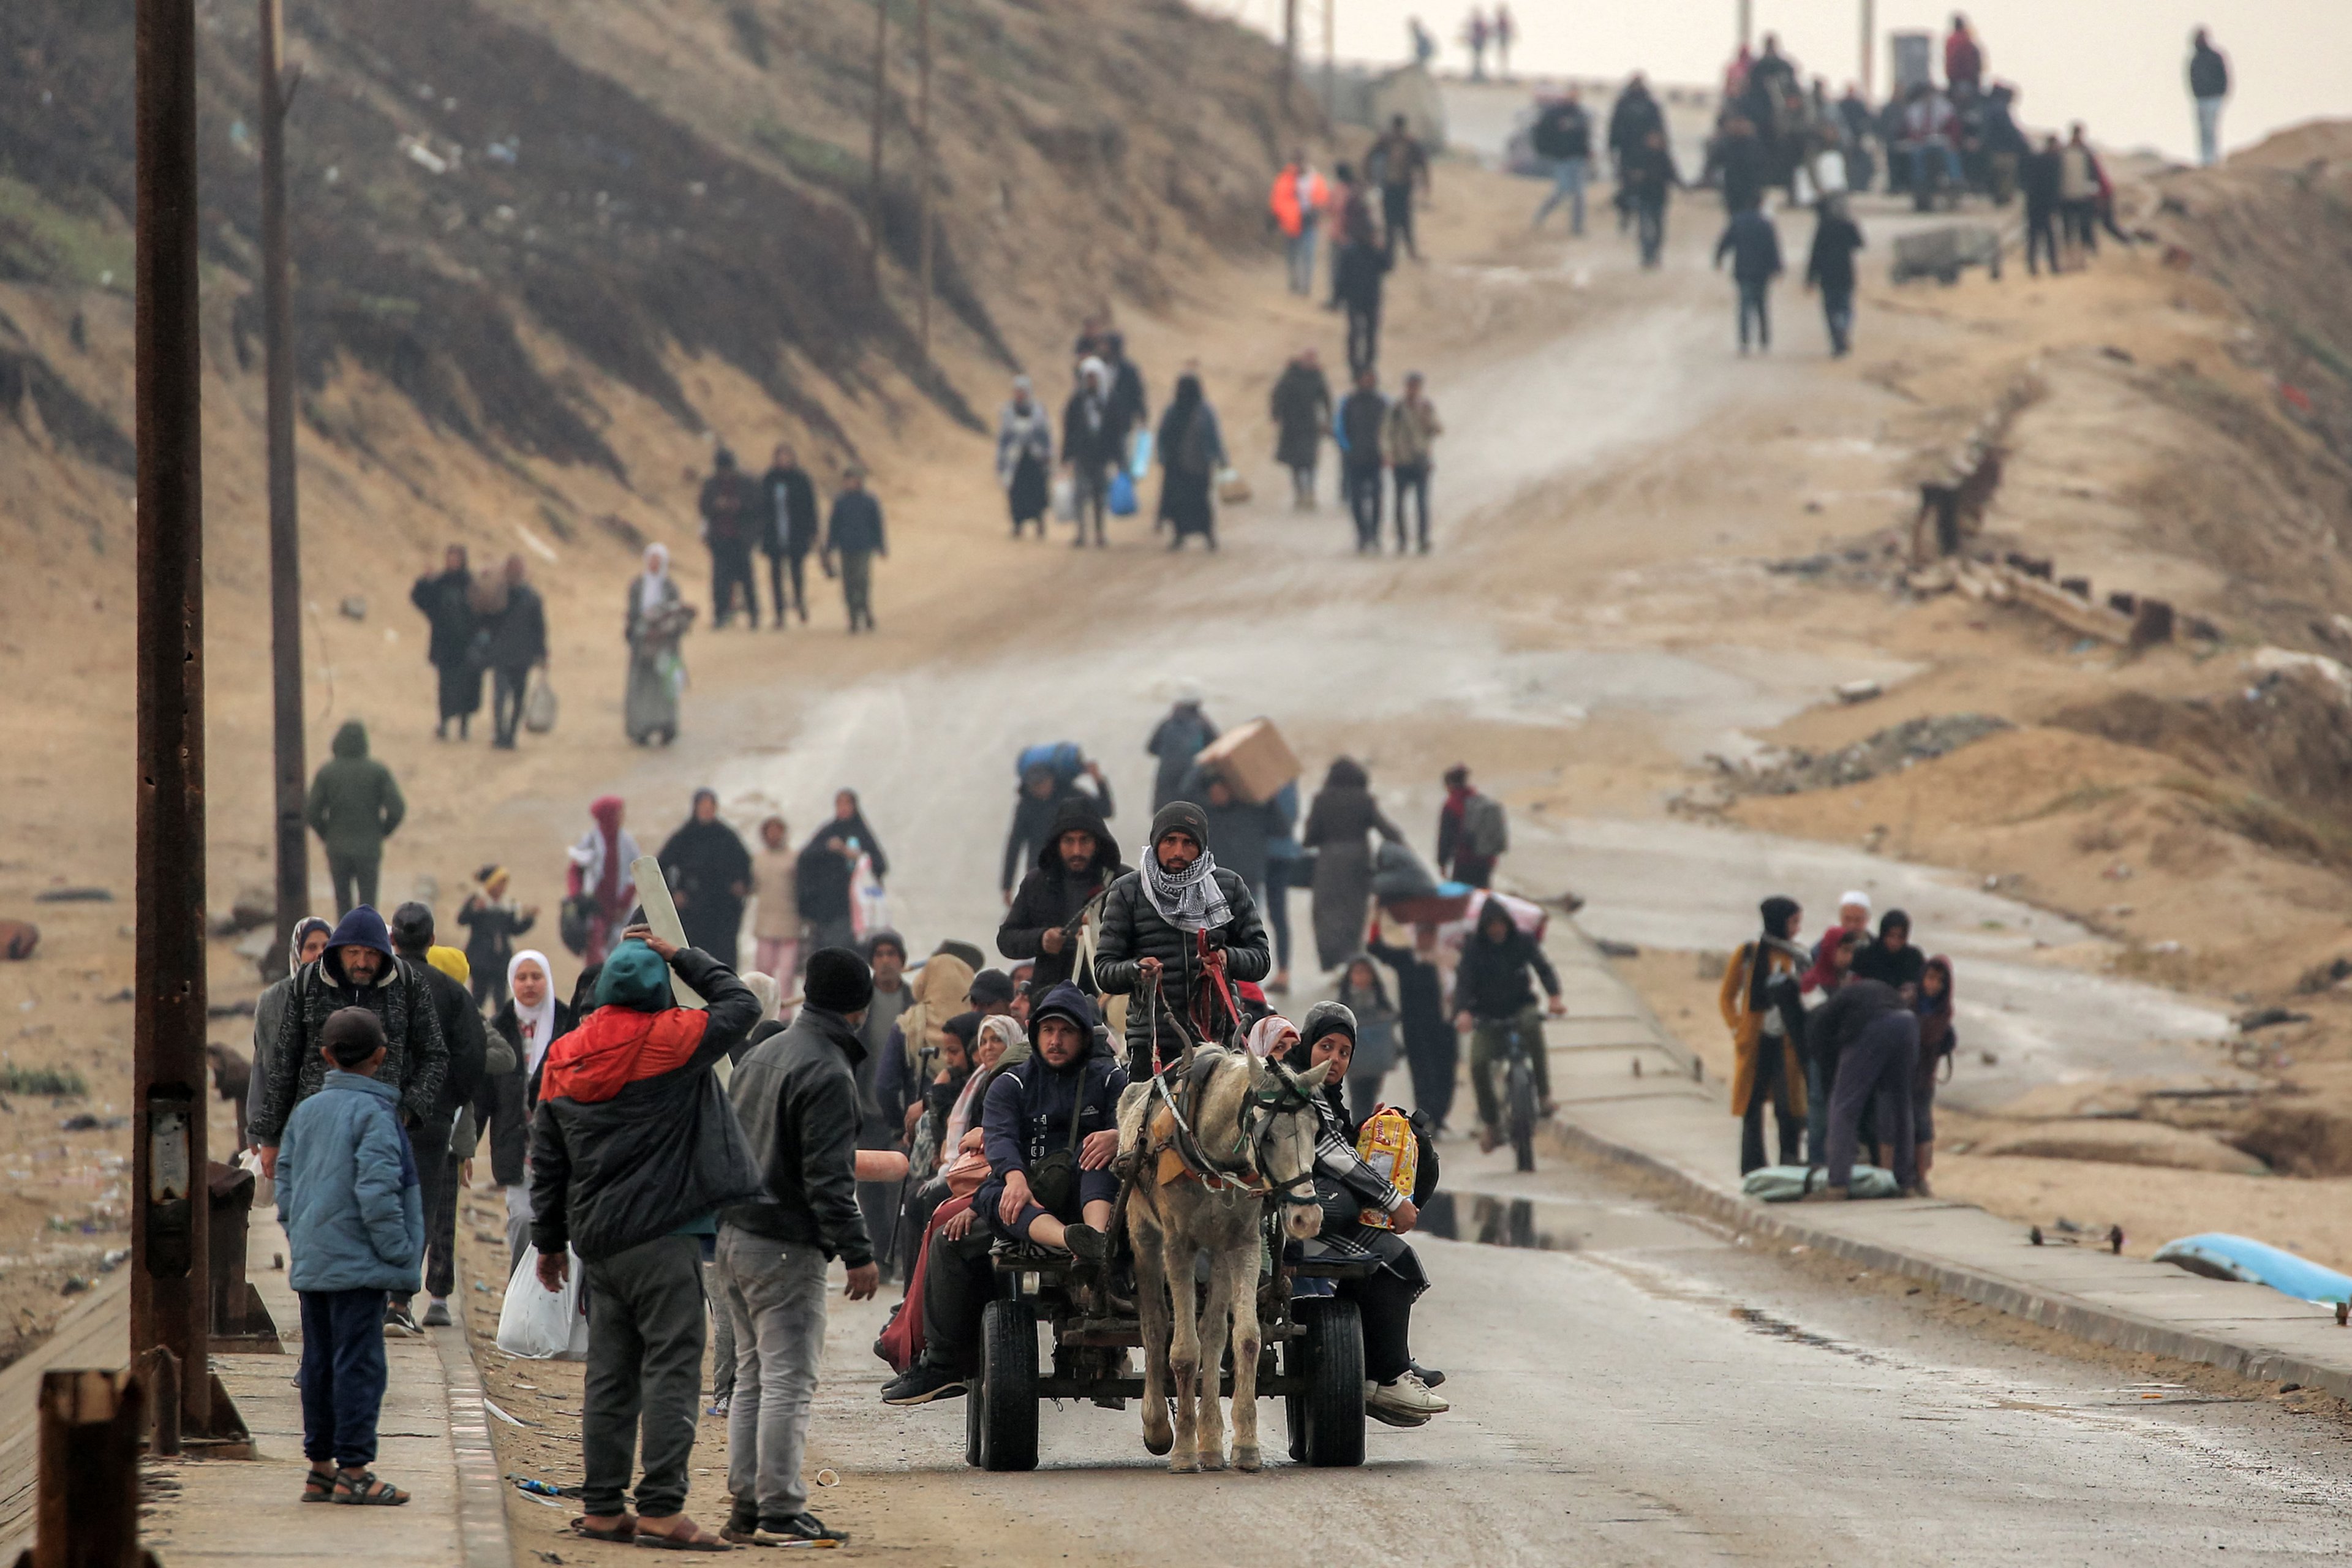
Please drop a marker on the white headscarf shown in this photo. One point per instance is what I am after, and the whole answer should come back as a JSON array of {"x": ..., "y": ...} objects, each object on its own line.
[
  {"x": 536, "y": 1025},
  {"x": 654, "y": 586}
]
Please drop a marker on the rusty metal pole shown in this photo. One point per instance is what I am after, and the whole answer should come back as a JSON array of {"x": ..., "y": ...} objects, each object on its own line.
[
  {"x": 86, "y": 1501},
  {"x": 170, "y": 1304},
  {"x": 285, "y": 537},
  {"x": 874, "y": 158},
  {"x": 1290, "y": 51},
  {"x": 923, "y": 145},
  {"x": 1869, "y": 28}
]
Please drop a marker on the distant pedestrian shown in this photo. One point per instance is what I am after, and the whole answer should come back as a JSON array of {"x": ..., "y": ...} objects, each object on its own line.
[
  {"x": 1964, "y": 59},
  {"x": 531, "y": 1019},
  {"x": 1191, "y": 452},
  {"x": 1358, "y": 281},
  {"x": 826, "y": 876},
  {"x": 354, "y": 1218},
  {"x": 2078, "y": 190},
  {"x": 1175, "y": 740},
  {"x": 881, "y": 1125},
  {"x": 514, "y": 643},
  {"x": 776, "y": 912},
  {"x": 853, "y": 534},
  {"x": 1759, "y": 1006},
  {"x": 2040, "y": 176},
  {"x": 1939, "y": 1042},
  {"x": 1472, "y": 831},
  {"x": 1563, "y": 138},
  {"x": 450, "y": 640},
  {"x": 656, "y": 625},
  {"x": 710, "y": 875},
  {"x": 1646, "y": 176},
  {"x": 1359, "y": 429},
  {"x": 1432, "y": 1051},
  {"x": 1424, "y": 42},
  {"x": 1754, "y": 246},
  {"x": 1361, "y": 993},
  {"x": 1507, "y": 32},
  {"x": 1410, "y": 436},
  {"x": 1131, "y": 408},
  {"x": 353, "y": 807},
  {"x": 1339, "y": 827},
  {"x": 599, "y": 881},
  {"x": 791, "y": 529},
  {"x": 1024, "y": 456},
  {"x": 463, "y": 1042},
  {"x": 634, "y": 1150},
  {"x": 1402, "y": 166},
  {"x": 1283, "y": 872},
  {"x": 1297, "y": 200},
  {"x": 1871, "y": 1037},
  {"x": 1475, "y": 36},
  {"x": 2209, "y": 84},
  {"x": 734, "y": 521},
  {"x": 1301, "y": 407},
  {"x": 492, "y": 922},
  {"x": 1091, "y": 448},
  {"x": 1830, "y": 269}
]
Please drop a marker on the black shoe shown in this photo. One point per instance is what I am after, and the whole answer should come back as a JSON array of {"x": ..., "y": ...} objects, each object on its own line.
[
  {"x": 921, "y": 1384},
  {"x": 1086, "y": 1244},
  {"x": 1432, "y": 1378},
  {"x": 798, "y": 1527},
  {"x": 398, "y": 1324}
]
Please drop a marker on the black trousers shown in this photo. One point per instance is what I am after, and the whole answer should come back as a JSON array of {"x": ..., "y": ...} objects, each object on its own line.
[
  {"x": 1771, "y": 1084},
  {"x": 354, "y": 879},
  {"x": 957, "y": 1283},
  {"x": 1396, "y": 213},
  {"x": 1364, "y": 501},
  {"x": 507, "y": 689},
  {"x": 777, "y": 566},
  {"x": 437, "y": 1182},
  {"x": 1385, "y": 1304},
  {"x": 1411, "y": 480},
  {"x": 731, "y": 569},
  {"x": 2041, "y": 237},
  {"x": 1434, "y": 1054},
  {"x": 1363, "y": 337}
]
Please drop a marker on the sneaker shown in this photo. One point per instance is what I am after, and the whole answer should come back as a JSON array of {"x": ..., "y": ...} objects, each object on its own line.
[
  {"x": 797, "y": 1530},
  {"x": 721, "y": 1405},
  {"x": 399, "y": 1325},
  {"x": 921, "y": 1384},
  {"x": 1086, "y": 1244},
  {"x": 436, "y": 1313},
  {"x": 1407, "y": 1402}
]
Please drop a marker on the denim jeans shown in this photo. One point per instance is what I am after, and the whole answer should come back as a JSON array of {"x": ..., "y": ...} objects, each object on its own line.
[
  {"x": 1567, "y": 180},
  {"x": 342, "y": 1376},
  {"x": 1411, "y": 480},
  {"x": 2209, "y": 131},
  {"x": 1300, "y": 252},
  {"x": 1364, "y": 503},
  {"x": 773, "y": 1293}
]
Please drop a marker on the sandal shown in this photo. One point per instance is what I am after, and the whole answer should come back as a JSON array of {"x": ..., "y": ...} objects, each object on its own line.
[
  {"x": 693, "y": 1538},
  {"x": 362, "y": 1489},
  {"x": 624, "y": 1532},
  {"x": 318, "y": 1486}
]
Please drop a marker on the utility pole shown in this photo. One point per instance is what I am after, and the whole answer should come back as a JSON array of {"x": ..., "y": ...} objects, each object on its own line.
[
  {"x": 171, "y": 1308},
  {"x": 1289, "y": 50},
  {"x": 1330, "y": 67},
  {"x": 873, "y": 159},
  {"x": 1746, "y": 21},
  {"x": 923, "y": 147},
  {"x": 1869, "y": 30},
  {"x": 285, "y": 536}
]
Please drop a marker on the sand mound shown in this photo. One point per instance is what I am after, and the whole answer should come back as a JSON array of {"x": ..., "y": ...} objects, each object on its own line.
[{"x": 2122, "y": 1142}]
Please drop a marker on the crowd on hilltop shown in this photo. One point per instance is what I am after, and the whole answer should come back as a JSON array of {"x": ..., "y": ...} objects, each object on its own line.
[{"x": 1856, "y": 1071}]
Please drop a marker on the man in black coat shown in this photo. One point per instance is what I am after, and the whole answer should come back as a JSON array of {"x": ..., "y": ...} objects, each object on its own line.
[
  {"x": 1093, "y": 445},
  {"x": 634, "y": 1153},
  {"x": 1169, "y": 930},
  {"x": 791, "y": 529},
  {"x": 1078, "y": 860},
  {"x": 516, "y": 644},
  {"x": 1492, "y": 998},
  {"x": 436, "y": 1166},
  {"x": 853, "y": 534},
  {"x": 796, "y": 1096},
  {"x": 1830, "y": 269},
  {"x": 449, "y": 647},
  {"x": 731, "y": 524}
]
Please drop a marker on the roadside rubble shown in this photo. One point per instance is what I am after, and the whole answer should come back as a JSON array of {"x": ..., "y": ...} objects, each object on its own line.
[{"x": 1796, "y": 771}]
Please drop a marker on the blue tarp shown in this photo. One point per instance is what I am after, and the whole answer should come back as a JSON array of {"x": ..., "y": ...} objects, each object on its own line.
[{"x": 2219, "y": 1257}]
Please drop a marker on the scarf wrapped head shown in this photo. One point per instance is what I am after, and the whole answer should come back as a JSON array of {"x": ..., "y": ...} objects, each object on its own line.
[
  {"x": 1265, "y": 1041},
  {"x": 537, "y": 1025},
  {"x": 1189, "y": 900},
  {"x": 1778, "y": 912},
  {"x": 604, "y": 855}
]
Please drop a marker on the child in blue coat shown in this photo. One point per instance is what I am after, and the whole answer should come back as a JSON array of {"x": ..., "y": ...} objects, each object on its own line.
[{"x": 354, "y": 1218}]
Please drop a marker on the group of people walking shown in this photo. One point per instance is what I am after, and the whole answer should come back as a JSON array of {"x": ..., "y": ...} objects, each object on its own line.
[
  {"x": 1855, "y": 1072},
  {"x": 491, "y": 624}
]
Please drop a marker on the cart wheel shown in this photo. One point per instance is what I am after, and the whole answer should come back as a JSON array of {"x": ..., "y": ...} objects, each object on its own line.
[
  {"x": 1003, "y": 1424},
  {"x": 1327, "y": 1426}
]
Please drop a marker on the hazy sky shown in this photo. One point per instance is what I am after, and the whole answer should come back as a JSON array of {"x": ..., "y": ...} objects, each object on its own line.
[{"x": 2116, "y": 64}]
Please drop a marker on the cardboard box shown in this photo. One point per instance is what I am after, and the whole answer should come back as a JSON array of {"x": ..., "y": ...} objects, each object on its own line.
[{"x": 1254, "y": 758}]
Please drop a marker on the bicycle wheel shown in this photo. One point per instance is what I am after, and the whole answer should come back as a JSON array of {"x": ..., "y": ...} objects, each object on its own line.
[{"x": 1522, "y": 1090}]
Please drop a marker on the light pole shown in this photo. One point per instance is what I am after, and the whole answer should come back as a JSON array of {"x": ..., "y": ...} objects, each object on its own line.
[{"x": 284, "y": 534}]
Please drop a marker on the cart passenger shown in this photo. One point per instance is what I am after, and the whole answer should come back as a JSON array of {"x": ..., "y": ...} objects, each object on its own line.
[
  {"x": 1347, "y": 1188},
  {"x": 1051, "y": 1129}
]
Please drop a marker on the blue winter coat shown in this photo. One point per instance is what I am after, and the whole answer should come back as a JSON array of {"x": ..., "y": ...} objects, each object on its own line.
[{"x": 347, "y": 1191}]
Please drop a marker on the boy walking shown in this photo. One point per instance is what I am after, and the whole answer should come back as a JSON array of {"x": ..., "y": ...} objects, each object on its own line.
[
  {"x": 354, "y": 1218},
  {"x": 1754, "y": 246}
]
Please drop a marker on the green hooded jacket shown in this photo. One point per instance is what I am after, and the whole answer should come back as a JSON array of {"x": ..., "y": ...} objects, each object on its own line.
[{"x": 355, "y": 806}]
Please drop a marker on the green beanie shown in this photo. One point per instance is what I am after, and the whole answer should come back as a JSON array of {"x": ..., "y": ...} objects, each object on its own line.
[{"x": 634, "y": 977}]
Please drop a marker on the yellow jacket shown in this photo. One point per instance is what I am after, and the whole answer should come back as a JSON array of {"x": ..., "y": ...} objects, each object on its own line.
[{"x": 1746, "y": 1028}]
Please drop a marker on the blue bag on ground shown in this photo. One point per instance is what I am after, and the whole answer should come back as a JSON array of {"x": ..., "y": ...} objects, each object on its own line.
[
  {"x": 2218, "y": 1255},
  {"x": 1122, "y": 500},
  {"x": 1786, "y": 1183}
]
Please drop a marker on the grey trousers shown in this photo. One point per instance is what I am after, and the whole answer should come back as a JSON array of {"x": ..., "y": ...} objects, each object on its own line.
[
  {"x": 722, "y": 1332},
  {"x": 774, "y": 1294},
  {"x": 1876, "y": 1068},
  {"x": 645, "y": 1359}
]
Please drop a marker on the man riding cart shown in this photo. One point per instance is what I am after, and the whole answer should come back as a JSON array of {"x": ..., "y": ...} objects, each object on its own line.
[{"x": 1178, "y": 933}]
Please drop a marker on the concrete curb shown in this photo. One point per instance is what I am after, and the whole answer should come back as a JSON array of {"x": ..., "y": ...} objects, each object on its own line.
[
  {"x": 481, "y": 1493},
  {"x": 2066, "y": 1313}
]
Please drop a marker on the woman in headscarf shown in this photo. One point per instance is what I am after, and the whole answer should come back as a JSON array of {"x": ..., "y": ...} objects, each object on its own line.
[
  {"x": 1337, "y": 828},
  {"x": 303, "y": 945},
  {"x": 1363, "y": 993},
  {"x": 710, "y": 875},
  {"x": 1759, "y": 1006},
  {"x": 657, "y": 619},
  {"x": 599, "y": 887},
  {"x": 1024, "y": 456},
  {"x": 1190, "y": 450},
  {"x": 940, "y": 989},
  {"x": 530, "y": 1020},
  {"x": 1939, "y": 1042},
  {"x": 1272, "y": 1037},
  {"x": 1001, "y": 1040}
]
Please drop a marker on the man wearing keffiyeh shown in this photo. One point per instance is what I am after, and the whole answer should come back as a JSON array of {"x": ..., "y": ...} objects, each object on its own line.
[{"x": 1169, "y": 928}]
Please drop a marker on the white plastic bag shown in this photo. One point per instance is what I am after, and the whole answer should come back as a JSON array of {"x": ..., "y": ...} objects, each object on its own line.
[
  {"x": 869, "y": 905},
  {"x": 540, "y": 1324},
  {"x": 1066, "y": 498}
]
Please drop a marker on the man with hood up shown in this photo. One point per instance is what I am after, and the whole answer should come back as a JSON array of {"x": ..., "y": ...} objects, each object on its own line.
[
  {"x": 358, "y": 970},
  {"x": 1169, "y": 930},
  {"x": 1076, "y": 861},
  {"x": 1491, "y": 997},
  {"x": 634, "y": 1152},
  {"x": 1051, "y": 1126},
  {"x": 353, "y": 807}
]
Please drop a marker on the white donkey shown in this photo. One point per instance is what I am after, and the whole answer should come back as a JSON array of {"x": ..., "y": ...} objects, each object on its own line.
[{"x": 1246, "y": 1133}]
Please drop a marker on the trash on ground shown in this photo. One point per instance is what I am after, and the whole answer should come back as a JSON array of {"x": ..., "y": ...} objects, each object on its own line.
[{"x": 2218, "y": 1255}]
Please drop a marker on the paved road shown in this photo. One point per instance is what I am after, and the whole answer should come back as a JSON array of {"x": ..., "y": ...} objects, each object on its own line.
[{"x": 1649, "y": 1392}]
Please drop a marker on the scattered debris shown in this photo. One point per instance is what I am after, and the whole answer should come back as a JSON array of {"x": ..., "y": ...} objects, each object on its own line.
[
  {"x": 74, "y": 896},
  {"x": 1858, "y": 690},
  {"x": 86, "y": 1122},
  {"x": 60, "y": 1082},
  {"x": 2266, "y": 1017},
  {"x": 2324, "y": 976},
  {"x": 1888, "y": 751},
  {"x": 352, "y": 607},
  {"x": 1617, "y": 949},
  {"x": 510, "y": 1420}
]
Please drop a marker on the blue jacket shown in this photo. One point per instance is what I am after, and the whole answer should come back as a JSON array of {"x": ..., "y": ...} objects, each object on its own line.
[{"x": 347, "y": 1190}]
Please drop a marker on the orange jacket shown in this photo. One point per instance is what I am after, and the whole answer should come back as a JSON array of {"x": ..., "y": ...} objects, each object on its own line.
[
  {"x": 614, "y": 1048},
  {"x": 1289, "y": 209}
]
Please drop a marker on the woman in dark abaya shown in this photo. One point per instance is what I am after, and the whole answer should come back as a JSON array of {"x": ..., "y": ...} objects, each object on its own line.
[{"x": 710, "y": 875}]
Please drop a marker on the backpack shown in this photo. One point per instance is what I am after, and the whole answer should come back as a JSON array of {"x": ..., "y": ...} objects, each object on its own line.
[{"x": 1486, "y": 827}]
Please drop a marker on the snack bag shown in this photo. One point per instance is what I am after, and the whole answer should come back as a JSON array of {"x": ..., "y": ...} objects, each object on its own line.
[{"x": 1388, "y": 1146}]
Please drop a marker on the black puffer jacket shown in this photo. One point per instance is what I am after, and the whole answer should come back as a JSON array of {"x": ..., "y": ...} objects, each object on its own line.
[
  {"x": 1050, "y": 896},
  {"x": 1491, "y": 982},
  {"x": 415, "y": 1059},
  {"x": 1132, "y": 931},
  {"x": 796, "y": 1093},
  {"x": 461, "y": 1037},
  {"x": 664, "y": 1151}
]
